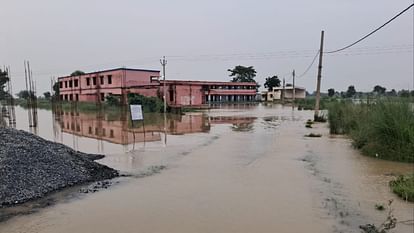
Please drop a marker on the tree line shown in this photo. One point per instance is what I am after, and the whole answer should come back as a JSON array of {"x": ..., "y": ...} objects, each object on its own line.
[{"x": 378, "y": 90}]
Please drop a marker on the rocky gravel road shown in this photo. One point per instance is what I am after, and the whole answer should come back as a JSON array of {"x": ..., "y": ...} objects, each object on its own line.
[{"x": 31, "y": 167}]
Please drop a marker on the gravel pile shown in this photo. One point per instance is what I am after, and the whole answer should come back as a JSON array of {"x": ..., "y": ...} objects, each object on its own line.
[{"x": 31, "y": 167}]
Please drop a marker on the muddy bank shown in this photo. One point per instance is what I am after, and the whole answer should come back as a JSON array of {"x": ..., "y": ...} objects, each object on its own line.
[{"x": 31, "y": 167}]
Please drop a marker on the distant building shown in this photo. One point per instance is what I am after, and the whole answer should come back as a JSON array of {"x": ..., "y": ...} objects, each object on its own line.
[
  {"x": 278, "y": 93},
  {"x": 95, "y": 86}
]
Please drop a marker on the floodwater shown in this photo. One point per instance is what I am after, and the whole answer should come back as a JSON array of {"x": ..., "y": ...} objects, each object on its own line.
[{"x": 236, "y": 168}]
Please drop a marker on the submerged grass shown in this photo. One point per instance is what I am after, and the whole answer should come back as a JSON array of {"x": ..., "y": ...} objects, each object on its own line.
[
  {"x": 313, "y": 135},
  {"x": 403, "y": 186},
  {"x": 384, "y": 130}
]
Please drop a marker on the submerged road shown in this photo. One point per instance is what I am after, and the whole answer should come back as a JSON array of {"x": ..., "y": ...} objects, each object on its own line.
[{"x": 259, "y": 176}]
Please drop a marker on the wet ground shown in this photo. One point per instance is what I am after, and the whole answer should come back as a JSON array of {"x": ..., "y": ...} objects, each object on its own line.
[{"x": 238, "y": 168}]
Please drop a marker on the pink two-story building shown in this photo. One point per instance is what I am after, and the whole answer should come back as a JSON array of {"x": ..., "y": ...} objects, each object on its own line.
[{"x": 95, "y": 86}]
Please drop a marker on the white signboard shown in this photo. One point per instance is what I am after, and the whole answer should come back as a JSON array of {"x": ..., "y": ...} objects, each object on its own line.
[{"x": 136, "y": 112}]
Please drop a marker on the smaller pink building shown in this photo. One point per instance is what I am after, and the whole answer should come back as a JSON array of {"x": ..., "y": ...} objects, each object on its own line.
[{"x": 95, "y": 86}]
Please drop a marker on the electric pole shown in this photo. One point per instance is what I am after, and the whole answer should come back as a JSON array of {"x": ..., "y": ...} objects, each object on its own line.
[
  {"x": 283, "y": 91},
  {"x": 294, "y": 91},
  {"x": 318, "y": 84},
  {"x": 164, "y": 63}
]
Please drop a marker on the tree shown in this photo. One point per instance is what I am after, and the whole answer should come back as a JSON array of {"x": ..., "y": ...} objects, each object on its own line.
[
  {"x": 24, "y": 94},
  {"x": 243, "y": 74},
  {"x": 391, "y": 93},
  {"x": 56, "y": 89},
  {"x": 350, "y": 92},
  {"x": 379, "y": 90},
  {"x": 47, "y": 95},
  {"x": 404, "y": 93},
  {"x": 77, "y": 73},
  {"x": 271, "y": 82},
  {"x": 331, "y": 92},
  {"x": 4, "y": 78}
]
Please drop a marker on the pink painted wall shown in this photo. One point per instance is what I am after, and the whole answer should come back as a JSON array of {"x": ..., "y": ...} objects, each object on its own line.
[
  {"x": 184, "y": 95},
  {"x": 149, "y": 91},
  {"x": 141, "y": 78}
]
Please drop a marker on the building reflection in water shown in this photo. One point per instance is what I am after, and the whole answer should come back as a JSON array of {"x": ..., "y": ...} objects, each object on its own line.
[{"x": 116, "y": 127}]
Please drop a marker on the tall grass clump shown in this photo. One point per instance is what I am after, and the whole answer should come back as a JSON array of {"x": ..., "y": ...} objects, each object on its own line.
[
  {"x": 384, "y": 130},
  {"x": 403, "y": 186},
  {"x": 343, "y": 117}
]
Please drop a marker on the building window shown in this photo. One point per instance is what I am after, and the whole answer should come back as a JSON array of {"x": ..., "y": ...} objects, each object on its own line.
[
  {"x": 103, "y": 132},
  {"x": 102, "y": 96},
  {"x": 96, "y": 131},
  {"x": 66, "y": 84},
  {"x": 171, "y": 94},
  {"x": 88, "y": 81},
  {"x": 75, "y": 82},
  {"x": 90, "y": 130},
  {"x": 109, "y": 79},
  {"x": 70, "y": 83},
  {"x": 101, "y": 79},
  {"x": 94, "y": 80},
  {"x": 60, "y": 84},
  {"x": 111, "y": 133},
  {"x": 71, "y": 97},
  {"x": 77, "y": 97},
  {"x": 61, "y": 97},
  {"x": 66, "y": 97}
]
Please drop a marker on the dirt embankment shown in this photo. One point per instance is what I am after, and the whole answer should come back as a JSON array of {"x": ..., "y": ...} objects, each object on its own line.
[{"x": 31, "y": 167}]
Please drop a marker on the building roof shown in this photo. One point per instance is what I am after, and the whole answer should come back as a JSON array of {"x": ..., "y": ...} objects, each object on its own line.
[
  {"x": 208, "y": 82},
  {"x": 115, "y": 69},
  {"x": 288, "y": 88}
]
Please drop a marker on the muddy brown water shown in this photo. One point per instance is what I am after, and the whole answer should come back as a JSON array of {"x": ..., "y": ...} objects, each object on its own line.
[{"x": 238, "y": 168}]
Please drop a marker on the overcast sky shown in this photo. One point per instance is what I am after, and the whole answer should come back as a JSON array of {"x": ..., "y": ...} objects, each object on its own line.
[{"x": 202, "y": 39}]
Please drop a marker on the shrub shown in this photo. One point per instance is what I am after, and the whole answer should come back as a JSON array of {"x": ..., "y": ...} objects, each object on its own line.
[
  {"x": 112, "y": 100},
  {"x": 403, "y": 186},
  {"x": 149, "y": 104}
]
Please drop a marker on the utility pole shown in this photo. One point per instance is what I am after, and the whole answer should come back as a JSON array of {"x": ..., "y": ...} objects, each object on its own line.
[
  {"x": 294, "y": 90},
  {"x": 283, "y": 91},
  {"x": 318, "y": 84},
  {"x": 164, "y": 63}
]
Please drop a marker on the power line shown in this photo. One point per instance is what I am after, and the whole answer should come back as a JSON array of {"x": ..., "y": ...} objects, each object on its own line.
[
  {"x": 307, "y": 69},
  {"x": 292, "y": 54},
  {"x": 369, "y": 34}
]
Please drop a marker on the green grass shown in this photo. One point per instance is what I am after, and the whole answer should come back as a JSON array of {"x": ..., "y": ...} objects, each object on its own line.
[
  {"x": 150, "y": 104},
  {"x": 69, "y": 106},
  {"x": 403, "y": 186},
  {"x": 384, "y": 130},
  {"x": 309, "y": 103}
]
